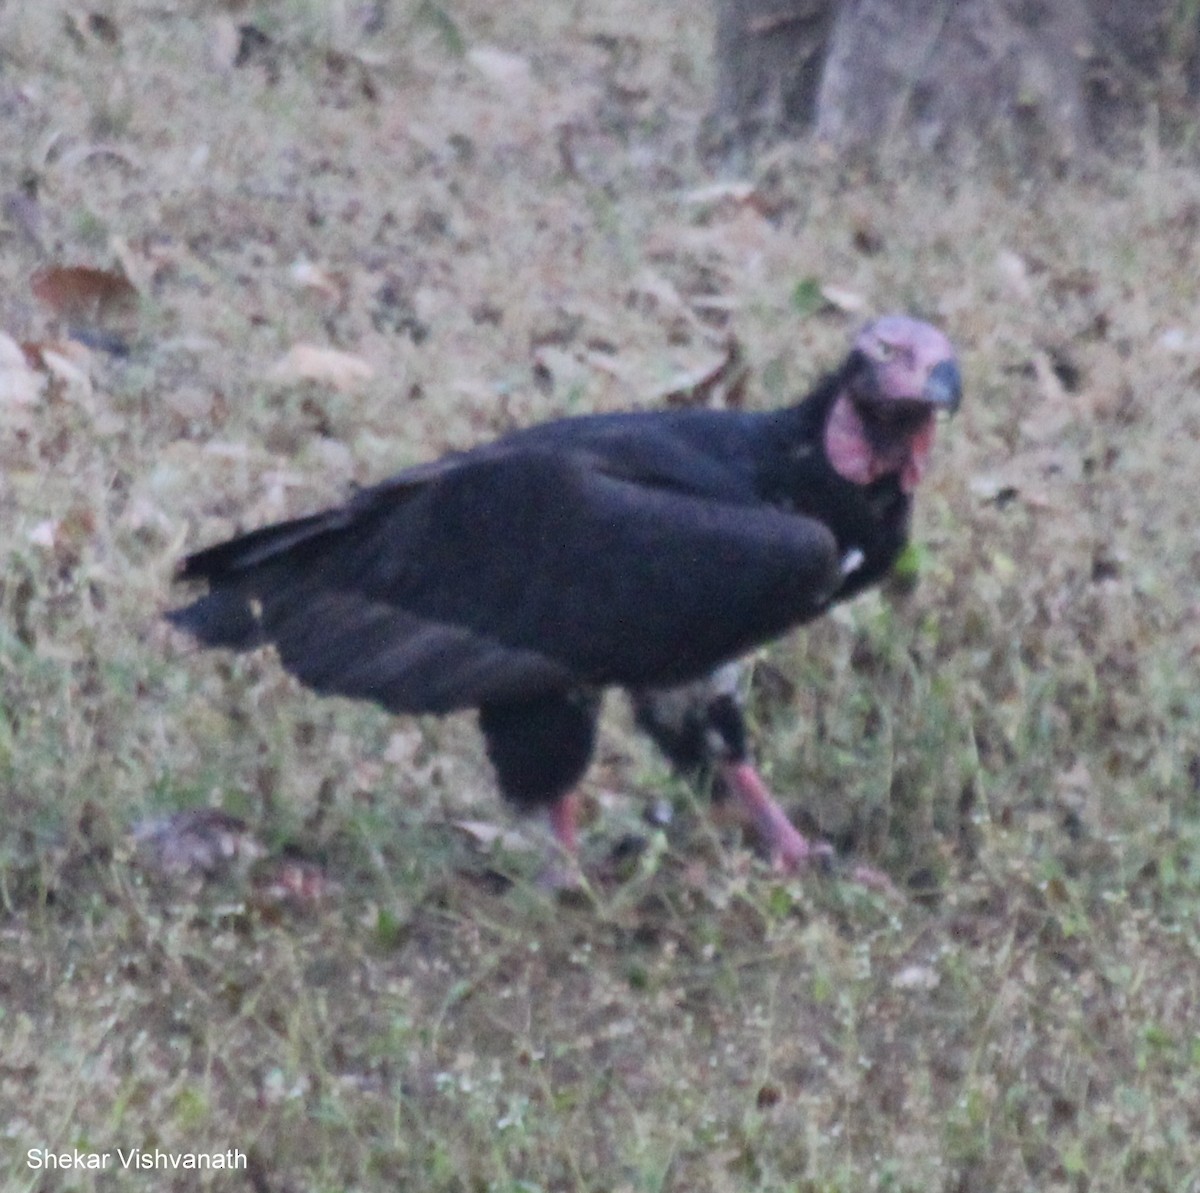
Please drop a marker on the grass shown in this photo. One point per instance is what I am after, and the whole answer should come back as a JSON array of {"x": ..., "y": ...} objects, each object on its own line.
[{"x": 1013, "y": 737}]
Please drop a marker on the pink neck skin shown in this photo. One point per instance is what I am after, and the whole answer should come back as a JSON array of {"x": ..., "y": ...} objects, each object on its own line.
[{"x": 855, "y": 459}]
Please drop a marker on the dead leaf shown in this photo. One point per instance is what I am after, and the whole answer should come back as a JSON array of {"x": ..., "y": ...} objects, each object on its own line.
[
  {"x": 715, "y": 304},
  {"x": 734, "y": 191},
  {"x": 67, "y": 363},
  {"x": 1054, "y": 411},
  {"x": 81, "y": 294},
  {"x": 21, "y": 208},
  {"x": 560, "y": 367},
  {"x": 403, "y": 747},
  {"x": 663, "y": 294},
  {"x": 992, "y": 487},
  {"x": 1049, "y": 381},
  {"x": 719, "y": 380},
  {"x": 336, "y": 458},
  {"x": 193, "y": 403},
  {"x": 80, "y": 155},
  {"x": 609, "y": 365},
  {"x": 308, "y": 276},
  {"x": 661, "y": 291},
  {"x": 916, "y": 977},
  {"x": 66, "y": 534},
  {"x": 195, "y": 843},
  {"x": 330, "y": 366},
  {"x": 291, "y": 882},
  {"x": 45, "y": 534},
  {"x": 1034, "y": 477},
  {"x": 489, "y": 835},
  {"x": 1178, "y": 342},
  {"x": 20, "y": 383},
  {"x": 501, "y": 67},
  {"x": 849, "y": 302},
  {"x": 1014, "y": 273},
  {"x": 224, "y": 42},
  {"x": 140, "y": 270},
  {"x": 72, "y": 376}
]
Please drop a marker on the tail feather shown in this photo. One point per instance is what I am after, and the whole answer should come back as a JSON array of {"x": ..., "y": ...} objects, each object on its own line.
[
  {"x": 254, "y": 566},
  {"x": 258, "y": 546},
  {"x": 223, "y": 561},
  {"x": 222, "y": 618}
]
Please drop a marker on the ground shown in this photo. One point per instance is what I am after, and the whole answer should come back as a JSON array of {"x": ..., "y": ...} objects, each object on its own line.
[{"x": 497, "y": 214}]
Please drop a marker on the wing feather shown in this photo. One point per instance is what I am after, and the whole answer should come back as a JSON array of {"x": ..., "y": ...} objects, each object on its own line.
[{"x": 515, "y": 573}]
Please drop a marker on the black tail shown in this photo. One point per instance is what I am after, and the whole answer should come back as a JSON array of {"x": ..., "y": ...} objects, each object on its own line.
[
  {"x": 235, "y": 569},
  {"x": 273, "y": 564},
  {"x": 223, "y": 618},
  {"x": 225, "y": 560}
]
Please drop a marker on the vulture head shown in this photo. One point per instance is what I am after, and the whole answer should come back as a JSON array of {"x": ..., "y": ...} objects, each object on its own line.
[{"x": 901, "y": 374}]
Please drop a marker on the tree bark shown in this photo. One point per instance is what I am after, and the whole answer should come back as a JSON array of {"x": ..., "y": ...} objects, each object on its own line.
[
  {"x": 769, "y": 59},
  {"x": 1044, "y": 79}
]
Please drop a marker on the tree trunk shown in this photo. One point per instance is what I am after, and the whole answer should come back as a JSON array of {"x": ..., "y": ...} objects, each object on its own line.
[
  {"x": 1043, "y": 79},
  {"x": 769, "y": 59}
]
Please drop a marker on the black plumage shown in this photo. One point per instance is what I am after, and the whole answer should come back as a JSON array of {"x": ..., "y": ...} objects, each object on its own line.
[{"x": 637, "y": 550}]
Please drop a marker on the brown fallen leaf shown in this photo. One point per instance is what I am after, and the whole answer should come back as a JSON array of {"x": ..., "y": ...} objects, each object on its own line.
[
  {"x": 1055, "y": 410},
  {"x": 718, "y": 381},
  {"x": 84, "y": 295},
  {"x": 331, "y": 366}
]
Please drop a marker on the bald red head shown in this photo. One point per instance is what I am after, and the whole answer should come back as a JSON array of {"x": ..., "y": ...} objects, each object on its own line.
[{"x": 902, "y": 373}]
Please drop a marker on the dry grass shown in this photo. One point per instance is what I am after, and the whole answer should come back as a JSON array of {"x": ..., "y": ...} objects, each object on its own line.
[{"x": 1015, "y": 739}]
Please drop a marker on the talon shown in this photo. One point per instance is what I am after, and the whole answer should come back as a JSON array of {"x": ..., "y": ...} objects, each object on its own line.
[{"x": 798, "y": 853}]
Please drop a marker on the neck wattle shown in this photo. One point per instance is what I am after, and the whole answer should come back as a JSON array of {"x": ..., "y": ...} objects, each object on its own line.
[{"x": 864, "y": 456}]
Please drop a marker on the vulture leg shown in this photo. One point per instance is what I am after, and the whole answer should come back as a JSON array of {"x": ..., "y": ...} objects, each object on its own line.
[
  {"x": 788, "y": 847},
  {"x": 701, "y": 729},
  {"x": 564, "y": 814},
  {"x": 540, "y": 748}
]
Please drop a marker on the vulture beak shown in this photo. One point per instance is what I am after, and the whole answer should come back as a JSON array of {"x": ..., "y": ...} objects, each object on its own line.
[{"x": 943, "y": 389}]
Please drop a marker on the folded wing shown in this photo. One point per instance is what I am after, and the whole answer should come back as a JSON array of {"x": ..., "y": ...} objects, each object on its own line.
[{"x": 502, "y": 575}]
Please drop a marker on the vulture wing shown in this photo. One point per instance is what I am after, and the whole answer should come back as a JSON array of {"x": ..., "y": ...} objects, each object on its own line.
[{"x": 514, "y": 571}]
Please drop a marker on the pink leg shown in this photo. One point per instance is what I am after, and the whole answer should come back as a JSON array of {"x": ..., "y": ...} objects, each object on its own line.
[
  {"x": 560, "y": 873},
  {"x": 790, "y": 850},
  {"x": 562, "y": 821}
]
